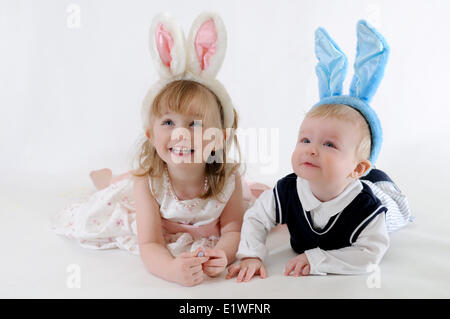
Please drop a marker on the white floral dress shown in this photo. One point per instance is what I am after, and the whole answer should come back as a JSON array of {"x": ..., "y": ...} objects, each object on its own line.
[{"x": 107, "y": 218}]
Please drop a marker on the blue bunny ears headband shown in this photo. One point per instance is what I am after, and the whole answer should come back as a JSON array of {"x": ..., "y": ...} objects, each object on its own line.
[{"x": 371, "y": 57}]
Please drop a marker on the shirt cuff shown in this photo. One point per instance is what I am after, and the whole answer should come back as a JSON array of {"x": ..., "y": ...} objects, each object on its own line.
[
  {"x": 251, "y": 253},
  {"x": 315, "y": 258}
]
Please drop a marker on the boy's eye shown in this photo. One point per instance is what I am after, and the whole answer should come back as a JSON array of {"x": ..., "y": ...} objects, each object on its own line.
[
  {"x": 329, "y": 144},
  {"x": 167, "y": 123},
  {"x": 305, "y": 140}
]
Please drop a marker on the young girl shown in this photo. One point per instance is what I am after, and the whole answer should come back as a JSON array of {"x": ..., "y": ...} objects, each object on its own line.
[{"x": 182, "y": 208}]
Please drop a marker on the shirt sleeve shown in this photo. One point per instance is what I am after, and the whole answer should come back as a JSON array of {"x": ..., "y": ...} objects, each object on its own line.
[
  {"x": 258, "y": 221},
  {"x": 360, "y": 258}
]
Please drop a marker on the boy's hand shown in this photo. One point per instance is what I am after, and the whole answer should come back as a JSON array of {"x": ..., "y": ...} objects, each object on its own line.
[
  {"x": 246, "y": 269},
  {"x": 187, "y": 269},
  {"x": 217, "y": 262},
  {"x": 299, "y": 265}
]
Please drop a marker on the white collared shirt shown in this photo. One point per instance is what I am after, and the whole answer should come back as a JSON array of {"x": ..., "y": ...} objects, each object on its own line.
[{"x": 359, "y": 258}]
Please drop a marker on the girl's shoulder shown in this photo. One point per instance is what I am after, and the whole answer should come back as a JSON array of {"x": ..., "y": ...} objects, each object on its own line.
[{"x": 155, "y": 183}]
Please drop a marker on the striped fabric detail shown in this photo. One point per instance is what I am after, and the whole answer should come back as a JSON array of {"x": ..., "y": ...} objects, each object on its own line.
[{"x": 398, "y": 213}]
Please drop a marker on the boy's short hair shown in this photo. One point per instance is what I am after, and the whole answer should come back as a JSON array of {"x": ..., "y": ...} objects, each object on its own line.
[{"x": 346, "y": 113}]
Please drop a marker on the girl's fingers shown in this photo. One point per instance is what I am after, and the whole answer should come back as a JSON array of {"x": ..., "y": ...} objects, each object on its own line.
[
  {"x": 186, "y": 254},
  {"x": 197, "y": 274},
  {"x": 217, "y": 262},
  {"x": 197, "y": 261},
  {"x": 197, "y": 268},
  {"x": 213, "y": 253},
  {"x": 198, "y": 280}
]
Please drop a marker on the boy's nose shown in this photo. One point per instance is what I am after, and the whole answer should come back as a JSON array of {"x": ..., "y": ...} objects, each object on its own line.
[{"x": 312, "y": 150}]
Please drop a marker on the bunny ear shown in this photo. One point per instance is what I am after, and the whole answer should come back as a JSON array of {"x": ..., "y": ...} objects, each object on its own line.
[
  {"x": 167, "y": 46},
  {"x": 332, "y": 65},
  {"x": 206, "y": 45},
  {"x": 371, "y": 57}
]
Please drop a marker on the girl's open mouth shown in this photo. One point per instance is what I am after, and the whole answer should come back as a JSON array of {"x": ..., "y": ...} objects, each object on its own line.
[{"x": 181, "y": 151}]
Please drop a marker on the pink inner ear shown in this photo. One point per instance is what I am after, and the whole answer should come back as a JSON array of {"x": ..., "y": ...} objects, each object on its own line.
[
  {"x": 205, "y": 43},
  {"x": 164, "y": 43}
]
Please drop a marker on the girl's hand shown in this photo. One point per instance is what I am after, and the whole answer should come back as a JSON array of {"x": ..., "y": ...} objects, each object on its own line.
[
  {"x": 247, "y": 268},
  {"x": 299, "y": 265},
  {"x": 187, "y": 270},
  {"x": 217, "y": 262}
]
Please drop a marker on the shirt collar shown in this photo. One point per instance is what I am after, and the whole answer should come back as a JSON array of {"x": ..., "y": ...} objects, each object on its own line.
[{"x": 331, "y": 207}]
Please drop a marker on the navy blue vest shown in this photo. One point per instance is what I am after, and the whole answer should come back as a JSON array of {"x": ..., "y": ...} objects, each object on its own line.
[
  {"x": 342, "y": 229},
  {"x": 376, "y": 175}
]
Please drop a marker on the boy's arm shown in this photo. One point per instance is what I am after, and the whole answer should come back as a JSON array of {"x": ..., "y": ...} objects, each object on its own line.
[
  {"x": 359, "y": 258},
  {"x": 258, "y": 221}
]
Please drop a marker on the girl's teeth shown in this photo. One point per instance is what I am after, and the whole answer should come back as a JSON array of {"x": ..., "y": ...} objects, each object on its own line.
[{"x": 181, "y": 150}]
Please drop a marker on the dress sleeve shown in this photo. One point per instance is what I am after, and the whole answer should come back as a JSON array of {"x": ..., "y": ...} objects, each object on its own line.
[{"x": 258, "y": 221}]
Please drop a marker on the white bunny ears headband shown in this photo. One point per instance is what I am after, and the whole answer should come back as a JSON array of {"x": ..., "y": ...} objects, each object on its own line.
[
  {"x": 371, "y": 58},
  {"x": 197, "y": 59}
]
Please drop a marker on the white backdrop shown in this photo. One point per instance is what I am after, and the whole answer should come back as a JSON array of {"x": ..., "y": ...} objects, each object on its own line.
[{"x": 73, "y": 75}]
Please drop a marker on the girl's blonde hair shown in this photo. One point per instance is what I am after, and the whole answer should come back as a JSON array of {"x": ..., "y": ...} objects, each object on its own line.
[
  {"x": 347, "y": 113},
  {"x": 177, "y": 96}
]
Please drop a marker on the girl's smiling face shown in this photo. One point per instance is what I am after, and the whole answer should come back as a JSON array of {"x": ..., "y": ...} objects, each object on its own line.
[
  {"x": 326, "y": 150},
  {"x": 179, "y": 138}
]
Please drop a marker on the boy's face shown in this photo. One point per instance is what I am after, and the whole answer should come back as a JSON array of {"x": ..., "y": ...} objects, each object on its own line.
[{"x": 326, "y": 150}]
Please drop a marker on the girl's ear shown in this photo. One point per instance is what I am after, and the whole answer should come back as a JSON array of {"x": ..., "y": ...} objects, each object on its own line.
[
  {"x": 147, "y": 134},
  {"x": 206, "y": 45},
  {"x": 361, "y": 168}
]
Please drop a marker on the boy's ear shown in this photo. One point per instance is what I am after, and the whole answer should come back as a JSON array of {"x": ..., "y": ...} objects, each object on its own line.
[{"x": 361, "y": 168}]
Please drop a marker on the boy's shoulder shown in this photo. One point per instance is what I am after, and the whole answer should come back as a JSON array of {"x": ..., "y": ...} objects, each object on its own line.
[
  {"x": 292, "y": 177},
  {"x": 366, "y": 199}
]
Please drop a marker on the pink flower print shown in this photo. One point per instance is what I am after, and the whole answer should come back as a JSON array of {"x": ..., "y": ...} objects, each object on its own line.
[
  {"x": 119, "y": 222},
  {"x": 109, "y": 204}
]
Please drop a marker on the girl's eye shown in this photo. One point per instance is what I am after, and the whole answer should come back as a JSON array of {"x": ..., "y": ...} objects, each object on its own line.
[
  {"x": 196, "y": 123},
  {"x": 329, "y": 144},
  {"x": 167, "y": 123}
]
